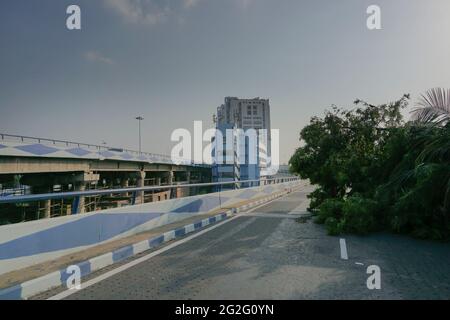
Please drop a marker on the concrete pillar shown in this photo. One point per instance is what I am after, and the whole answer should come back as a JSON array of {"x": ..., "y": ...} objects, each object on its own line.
[
  {"x": 47, "y": 209},
  {"x": 188, "y": 177},
  {"x": 170, "y": 178},
  {"x": 140, "y": 184},
  {"x": 81, "y": 201},
  {"x": 80, "y": 183},
  {"x": 125, "y": 183},
  {"x": 45, "y": 204},
  {"x": 170, "y": 181},
  {"x": 187, "y": 191}
]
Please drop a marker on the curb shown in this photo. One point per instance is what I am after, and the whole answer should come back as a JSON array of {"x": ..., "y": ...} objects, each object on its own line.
[{"x": 35, "y": 286}]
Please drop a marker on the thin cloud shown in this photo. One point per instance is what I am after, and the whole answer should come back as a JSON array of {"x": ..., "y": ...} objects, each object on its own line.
[
  {"x": 190, "y": 3},
  {"x": 245, "y": 3},
  {"x": 149, "y": 11},
  {"x": 94, "y": 56}
]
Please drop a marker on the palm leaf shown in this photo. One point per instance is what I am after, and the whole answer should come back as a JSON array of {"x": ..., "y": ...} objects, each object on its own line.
[{"x": 433, "y": 107}]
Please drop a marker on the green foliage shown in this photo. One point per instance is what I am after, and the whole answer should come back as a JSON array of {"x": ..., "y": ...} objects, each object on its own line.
[
  {"x": 354, "y": 215},
  {"x": 374, "y": 171},
  {"x": 359, "y": 215},
  {"x": 334, "y": 226},
  {"x": 329, "y": 208},
  {"x": 316, "y": 197},
  {"x": 434, "y": 107}
]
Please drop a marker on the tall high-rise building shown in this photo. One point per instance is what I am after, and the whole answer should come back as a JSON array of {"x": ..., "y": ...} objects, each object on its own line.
[{"x": 244, "y": 116}]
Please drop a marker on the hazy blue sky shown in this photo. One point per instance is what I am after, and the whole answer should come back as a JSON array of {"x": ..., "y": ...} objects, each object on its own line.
[{"x": 173, "y": 62}]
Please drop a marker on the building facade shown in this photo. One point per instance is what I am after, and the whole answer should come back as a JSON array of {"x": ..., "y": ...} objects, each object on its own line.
[{"x": 249, "y": 120}]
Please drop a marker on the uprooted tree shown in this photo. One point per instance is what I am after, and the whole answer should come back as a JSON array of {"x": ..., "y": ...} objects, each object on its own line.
[{"x": 373, "y": 171}]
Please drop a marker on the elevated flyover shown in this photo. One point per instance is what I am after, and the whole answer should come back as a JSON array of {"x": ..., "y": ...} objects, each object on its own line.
[{"x": 37, "y": 165}]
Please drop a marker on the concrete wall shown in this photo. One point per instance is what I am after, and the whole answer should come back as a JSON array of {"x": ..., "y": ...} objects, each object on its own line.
[{"x": 33, "y": 242}]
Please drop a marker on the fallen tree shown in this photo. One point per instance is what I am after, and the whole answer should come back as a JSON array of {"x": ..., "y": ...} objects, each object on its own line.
[{"x": 374, "y": 171}]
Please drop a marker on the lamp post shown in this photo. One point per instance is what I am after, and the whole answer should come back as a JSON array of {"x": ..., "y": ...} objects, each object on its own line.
[{"x": 139, "y": 119}]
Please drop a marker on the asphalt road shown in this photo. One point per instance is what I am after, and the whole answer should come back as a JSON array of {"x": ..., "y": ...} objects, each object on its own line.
[{"x": 272, "y": 254}]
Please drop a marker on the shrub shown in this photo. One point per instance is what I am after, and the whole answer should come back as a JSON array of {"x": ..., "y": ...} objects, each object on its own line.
[
  {"x": 334, "y": 226},
  {"x": 330, "y": 208},
  {"x": 359, "y": 215},
  {"x": 317, "y": 197}
]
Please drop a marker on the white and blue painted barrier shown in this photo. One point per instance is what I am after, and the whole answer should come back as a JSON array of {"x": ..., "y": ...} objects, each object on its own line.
[
  {"x": 57, "y": 278},
  {"x": 34, "y": 242}
]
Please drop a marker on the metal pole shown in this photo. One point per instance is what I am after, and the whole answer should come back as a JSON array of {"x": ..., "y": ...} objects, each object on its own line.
[{"x": 140, "y": 119}]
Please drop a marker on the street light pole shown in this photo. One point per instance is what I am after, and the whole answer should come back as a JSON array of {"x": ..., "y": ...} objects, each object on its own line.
[{"x": 139, "y": 119}]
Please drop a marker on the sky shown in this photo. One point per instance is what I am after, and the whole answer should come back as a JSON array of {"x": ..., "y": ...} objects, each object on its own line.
[{"x": 173, "y": 62}]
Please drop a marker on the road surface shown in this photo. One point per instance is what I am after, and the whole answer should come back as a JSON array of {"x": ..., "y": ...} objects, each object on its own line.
[{"x": 272, "y": 253}]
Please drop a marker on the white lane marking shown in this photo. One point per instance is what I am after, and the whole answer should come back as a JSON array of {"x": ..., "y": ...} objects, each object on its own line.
[
  {"x": 359, "y": 263},
  {"x": 131, "y": 264},
  {"x": 343, "y": 246}
]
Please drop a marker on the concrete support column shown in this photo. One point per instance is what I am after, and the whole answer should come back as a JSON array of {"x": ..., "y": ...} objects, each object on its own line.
[
  {"x": 125, "y": 183},
  {"x": 170, "y": 181},
  {"x": 47, "y": 209},
  {"x": 46, "y": 205},
  {"x": 188, "y": 191},
  {"x": 170, "y": 178},
  {"x": 188, "y": 177},
  {"x": 140, "y": 184},
  {"x": 81, "y": 200},
  {"x": 80, "y": 182}
]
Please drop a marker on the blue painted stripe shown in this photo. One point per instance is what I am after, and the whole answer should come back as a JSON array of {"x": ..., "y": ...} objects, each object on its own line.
[
  {"x": 180, "y": 232},
  {"x": 156, "y": 241},
  {"x": 212, "y": 219},
  {"x": 197, "y": 225},
  {"x": 12, "y": 293},
  {"x": 96, "y": 228},
  {"x": 122, "y": 253},
  {"x": 224, "y": 216}
]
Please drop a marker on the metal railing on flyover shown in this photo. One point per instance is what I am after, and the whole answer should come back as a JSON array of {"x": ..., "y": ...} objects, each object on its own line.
[
  {"x": 135, "y": 190},
  {"x": 156, "y": 156}
]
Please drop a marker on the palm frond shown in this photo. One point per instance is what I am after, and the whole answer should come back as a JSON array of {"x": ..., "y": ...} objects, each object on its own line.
[{"x": 433, "y": 107}]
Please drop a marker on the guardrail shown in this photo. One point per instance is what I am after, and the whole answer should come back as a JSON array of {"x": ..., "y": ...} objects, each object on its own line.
[
  {"x": 56, "y": 142},
  {"x": 75, "y": 194}
]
